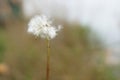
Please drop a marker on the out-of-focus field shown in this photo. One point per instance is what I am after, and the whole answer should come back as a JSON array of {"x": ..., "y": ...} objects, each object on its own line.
[{"x": 72, "y": 55}]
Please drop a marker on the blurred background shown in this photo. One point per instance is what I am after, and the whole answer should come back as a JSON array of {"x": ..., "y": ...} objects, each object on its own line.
[{"x": 87, "y": 48}]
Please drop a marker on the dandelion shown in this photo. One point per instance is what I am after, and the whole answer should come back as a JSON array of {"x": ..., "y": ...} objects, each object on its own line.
[{"x": 41, "y": 26}]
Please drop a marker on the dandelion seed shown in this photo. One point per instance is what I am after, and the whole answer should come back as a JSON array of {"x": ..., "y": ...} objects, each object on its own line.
[{"x": 41, "y": 26}]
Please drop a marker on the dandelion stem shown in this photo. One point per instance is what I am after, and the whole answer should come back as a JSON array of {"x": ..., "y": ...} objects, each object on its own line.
[{"x": 48, "y": 60}]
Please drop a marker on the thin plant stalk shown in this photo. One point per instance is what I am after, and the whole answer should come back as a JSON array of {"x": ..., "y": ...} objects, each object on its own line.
[{"x": 48, "y": 60}]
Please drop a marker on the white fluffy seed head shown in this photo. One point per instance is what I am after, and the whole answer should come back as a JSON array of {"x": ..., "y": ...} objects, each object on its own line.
[{"x": 41, "y": 26}]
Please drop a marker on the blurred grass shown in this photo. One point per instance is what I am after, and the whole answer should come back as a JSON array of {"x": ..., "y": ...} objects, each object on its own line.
[
  {"x": 73, "y": 57},
  {"x": 2, "y": 44}
]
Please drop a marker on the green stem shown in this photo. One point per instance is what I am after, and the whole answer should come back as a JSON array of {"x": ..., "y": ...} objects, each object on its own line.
[{"x": 48, "y": 60}]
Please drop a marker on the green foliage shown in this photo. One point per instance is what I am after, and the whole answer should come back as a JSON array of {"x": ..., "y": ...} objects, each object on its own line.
[
  {"x": 2, "y": 50},
  {"x": 2, "y": 46}
]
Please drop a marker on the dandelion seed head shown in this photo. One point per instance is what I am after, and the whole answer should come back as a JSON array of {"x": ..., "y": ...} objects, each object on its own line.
[{"x": 41, "y": 26}]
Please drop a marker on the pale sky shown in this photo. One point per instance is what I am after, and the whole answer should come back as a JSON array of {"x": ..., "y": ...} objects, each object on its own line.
[{"x": 102, "y": 15}]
